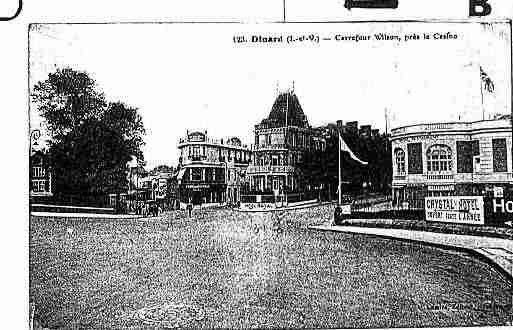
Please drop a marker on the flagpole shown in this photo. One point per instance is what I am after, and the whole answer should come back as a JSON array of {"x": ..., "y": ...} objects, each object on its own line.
[
  {"x": 339, "y": 172},
  {"x": 482, "y": 97}
]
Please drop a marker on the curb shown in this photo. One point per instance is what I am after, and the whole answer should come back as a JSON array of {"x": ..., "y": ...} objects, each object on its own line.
[{"x": 508, "y": 274}]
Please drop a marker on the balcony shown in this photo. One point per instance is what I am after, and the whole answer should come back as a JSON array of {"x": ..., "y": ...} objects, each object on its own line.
[
  {"x": 439, "y": 177},
  {"x": 270, "y": 169},
  {"x": 197, "y": 158},
  {"x": 279, "y": 146},
  {"x": 401, "y": 177}
]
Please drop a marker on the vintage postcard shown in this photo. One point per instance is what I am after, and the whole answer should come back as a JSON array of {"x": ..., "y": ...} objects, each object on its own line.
[
  {"x": 307, "y": 175},
  {"x": 235, "y": 164}
]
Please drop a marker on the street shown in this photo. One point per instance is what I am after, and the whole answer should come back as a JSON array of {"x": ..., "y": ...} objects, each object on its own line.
[{"x": 223, "y": 268}]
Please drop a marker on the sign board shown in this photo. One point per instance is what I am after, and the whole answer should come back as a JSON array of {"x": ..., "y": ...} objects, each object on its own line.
[
  {"x": 498, "y": 192},
  {"x": 441, "y": 188},
  {"x": 456, "y": 209},
  {"x": 196, "y": 137},
  {"x": 499, "y": 210},
  {"x": 258, "y": 206},
  {"x": 346, "y": 209}
]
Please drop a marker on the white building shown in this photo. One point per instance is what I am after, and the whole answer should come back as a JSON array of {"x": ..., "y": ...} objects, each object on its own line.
[{"x": 444, "y": 159}]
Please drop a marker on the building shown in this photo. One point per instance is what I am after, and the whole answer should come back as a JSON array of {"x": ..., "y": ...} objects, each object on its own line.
[
  {"x": 281, "y": 140},
  {"x": 211, "y": 170},
  {"x": 365, "y": 131},
  {"x": 40, "y": 177},
  {"x": 352, "y": 127},
  {"x": 445, "y": 159}
]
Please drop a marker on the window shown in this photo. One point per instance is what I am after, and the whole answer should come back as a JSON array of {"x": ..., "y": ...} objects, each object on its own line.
[
  {"x": 467, "y": 153},
  {"x": 400, "y": 162},
  {"x": 439, "y": 159},
  {"x": 196, "y": 151},
  {"x": 208, "y": 174},
  {"x": 415, "y": 158},
  {"x": 262, "y": 140},
  {"x": 38, "y": 172},
  {"x": 276, "y": 184},
  {"x": 500, "y": 155},
  {"x": 38, "y": 185},
  {"x": 196, "y": 174}
]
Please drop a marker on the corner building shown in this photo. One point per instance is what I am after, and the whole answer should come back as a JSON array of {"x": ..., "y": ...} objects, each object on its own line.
[
  {"x": 281, "y": 140},
  {"x": 451, "y": 159},
  {"x": 211, "y": 170}
]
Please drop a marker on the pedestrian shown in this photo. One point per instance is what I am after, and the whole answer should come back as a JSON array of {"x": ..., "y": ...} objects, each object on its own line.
[{"x": 189, "y": 209}]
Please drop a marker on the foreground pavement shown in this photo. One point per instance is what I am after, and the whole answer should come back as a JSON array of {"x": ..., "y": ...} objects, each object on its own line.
[{"x": 497, "y": 250}]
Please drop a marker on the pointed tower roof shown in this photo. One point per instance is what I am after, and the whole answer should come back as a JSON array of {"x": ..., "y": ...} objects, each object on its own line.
[{"x": 286, "y": 110}]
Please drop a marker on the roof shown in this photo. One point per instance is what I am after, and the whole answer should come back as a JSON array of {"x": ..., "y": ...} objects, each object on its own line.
[{"x": 286, "y": 110}]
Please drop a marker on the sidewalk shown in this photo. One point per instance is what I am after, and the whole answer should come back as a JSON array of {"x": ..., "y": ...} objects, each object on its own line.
[
  {"x": 86, "y": 215},
  {"x": 497, "y": 250}
]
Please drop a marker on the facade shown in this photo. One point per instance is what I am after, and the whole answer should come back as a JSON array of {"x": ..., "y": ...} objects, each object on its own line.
[
  {"x": 211, "y": 170},
  {"x": 446, "y": 159},
  {"x": 280, "y": 142}
]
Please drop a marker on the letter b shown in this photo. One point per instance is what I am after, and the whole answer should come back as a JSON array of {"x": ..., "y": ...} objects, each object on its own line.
[{"x": 486, "y": 8}]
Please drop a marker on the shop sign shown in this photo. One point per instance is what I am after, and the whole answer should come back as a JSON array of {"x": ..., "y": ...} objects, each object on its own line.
[
  {"x": 196, "y": 137},
  {"x": 197, "y": 186},
  {"x": 502, "y": 206},
  {"x": 258, "y": 206},
  {"x": 456, "y": 209},
  {"x": 498, "y": 192},
  {"x": 345, "y": 209},
  {"x": 499, "y": 210},
  {"x": 441, "y": 188}
]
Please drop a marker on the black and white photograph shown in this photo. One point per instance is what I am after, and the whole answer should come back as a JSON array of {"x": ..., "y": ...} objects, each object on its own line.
[{"x": 328, "y": 175}]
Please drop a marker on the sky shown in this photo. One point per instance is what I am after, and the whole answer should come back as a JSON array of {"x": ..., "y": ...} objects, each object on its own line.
[{"x": 194, "y": 77}]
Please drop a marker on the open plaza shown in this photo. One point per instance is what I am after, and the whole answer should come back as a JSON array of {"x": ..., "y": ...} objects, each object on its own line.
[{"x": 228, "y": 269}]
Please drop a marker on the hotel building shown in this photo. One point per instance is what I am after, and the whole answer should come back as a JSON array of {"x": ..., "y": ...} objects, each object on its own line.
[
  {"x": 211, "y": 170},
  {"x": 445, "y": 159},
  {"x": 280, "y": 142}
]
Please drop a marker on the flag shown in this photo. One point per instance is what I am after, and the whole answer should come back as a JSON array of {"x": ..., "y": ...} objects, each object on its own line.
[
  {"x": 487, "y": 81},
  {"x": 345, "y": 147}
]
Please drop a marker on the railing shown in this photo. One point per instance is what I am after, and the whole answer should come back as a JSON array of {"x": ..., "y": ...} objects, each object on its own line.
[
  {"x": 271, "y": 169},
  {"x": 401, "y": 177},
  {"x": 439, "y": 177},
  {"x": 482, "y": 124},
  {"x": 271, "y": 146},
  {"x": 197, "y": 158},
  {"x": 209, "y": 140}
]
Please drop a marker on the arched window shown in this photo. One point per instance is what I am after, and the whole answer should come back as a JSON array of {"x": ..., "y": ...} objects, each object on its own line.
[
  {"x": 439, "y": 158},
  {"x": 400, "y": 163}
]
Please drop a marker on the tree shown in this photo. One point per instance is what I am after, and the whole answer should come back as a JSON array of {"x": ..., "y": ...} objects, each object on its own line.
[
  {"x": 321, "y": 167},
  {"x": 91, "y": 140},
  {"x": 66, "y": 99}
]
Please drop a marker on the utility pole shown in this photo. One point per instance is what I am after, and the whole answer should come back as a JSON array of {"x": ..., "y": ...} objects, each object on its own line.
[
  {"x": 386, "y": 121},
  {"x": 284, "y": 9}
]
